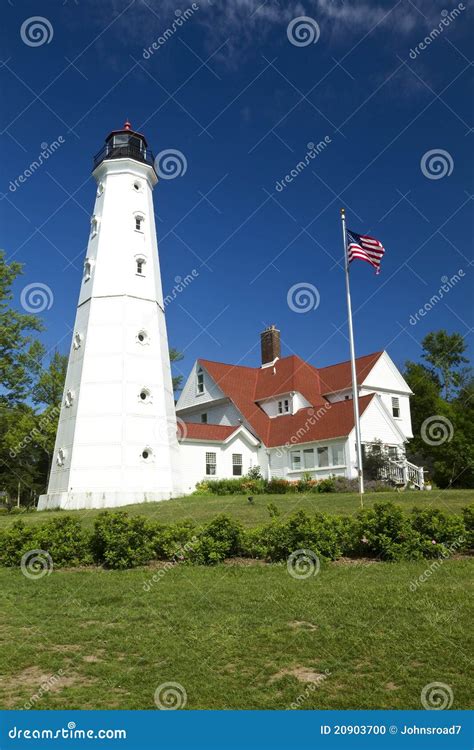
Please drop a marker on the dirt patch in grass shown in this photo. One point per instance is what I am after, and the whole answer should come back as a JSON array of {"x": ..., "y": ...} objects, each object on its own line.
[
  {"x": 38, "y": 683},
  {"x": 302, "y": 625},
  {"x": 244, "y": 561},
  {"x": 92, "y": 659},
  {"x": 357, "y": 561},
  {"x": 63, "y": 648},
  {"x": 391, "y": 686},
  {"x": 303, "y": 674}
]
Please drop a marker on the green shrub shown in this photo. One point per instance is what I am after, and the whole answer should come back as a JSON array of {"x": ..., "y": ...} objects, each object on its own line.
[
  {"x": 240, "y": 486},
  {"x": 226, "y": 531},
  {"x": 273, "y": 510},
  {"x": 16, "y": 541},
  {"x": 207, "y": 551},
  {"x": 254, "y": 472},
  {"x": 172, "y": 541},
  {"x": 326, "y": 485},
  {"x": 279, "y": 486},
  {"x": 385, "y": 531},
  {"x": 306, "y": 483},
  {"x": 324, "y": 535},
  {"x": 468, "y": 516},
  {"x": 65, "y": 540},
  {"x": 121, "y": 541},
  {"x": 439, "y": 528}
]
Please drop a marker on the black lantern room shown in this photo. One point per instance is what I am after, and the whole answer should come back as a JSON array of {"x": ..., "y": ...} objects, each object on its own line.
[{"x": 125, "y": 144}]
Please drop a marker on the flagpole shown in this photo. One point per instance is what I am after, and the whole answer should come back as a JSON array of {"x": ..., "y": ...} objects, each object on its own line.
[{"x": 355, "y": 392}]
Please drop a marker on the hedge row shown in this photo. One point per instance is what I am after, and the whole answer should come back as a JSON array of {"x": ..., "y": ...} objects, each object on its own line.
[
  {"x": 259, "y": 486},
  {"x": 122, "y": 541}
]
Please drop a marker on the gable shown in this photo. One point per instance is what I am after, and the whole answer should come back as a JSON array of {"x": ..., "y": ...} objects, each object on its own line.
[
  {"x": 385, "y": 375},
  {"x": 377, "y": 424},
  {"x": 189, "y": 396}
]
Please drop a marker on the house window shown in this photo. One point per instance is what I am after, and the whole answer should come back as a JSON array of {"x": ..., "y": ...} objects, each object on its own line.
[
  {"x": 295, "y": 457},
  {"x": 323, "y": 456},
  {"x": 392, "y": 452},
  {"x": 395, "y": 407},
  {"x": 337, "y": 451},
  {"x": 140, "y": 266},
  {"x": 139, "y": 223},
  {"x": 283, "y": 406},
  {"x": 308, "y": 458},
  {"x": 210, "y": 464},
  {"x": 237, "y": 464},
  {"x": 200, "y": 381},
  {"x": 203, "y": 418}
]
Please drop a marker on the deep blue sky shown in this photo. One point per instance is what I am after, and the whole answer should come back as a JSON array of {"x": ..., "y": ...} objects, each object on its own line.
[{"x": 240, "y": 118}]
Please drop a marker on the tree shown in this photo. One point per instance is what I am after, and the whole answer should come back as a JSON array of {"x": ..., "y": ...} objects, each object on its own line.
[
  {"x": 443, "y": 430},
  {"x": 445, "y": 353},
  {"x": 50, "y": 385},
  {"x": 176, "y": 356},
  {"x": 20, "y": 352}
]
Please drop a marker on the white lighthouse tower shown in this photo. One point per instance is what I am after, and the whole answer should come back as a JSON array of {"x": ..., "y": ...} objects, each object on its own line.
[{"x": 116, "y": 442}]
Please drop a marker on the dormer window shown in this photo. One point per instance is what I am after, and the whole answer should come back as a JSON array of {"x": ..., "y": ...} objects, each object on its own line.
[
  {"x": 200, "y": 381},
  {"x": 284, "y": 406}
]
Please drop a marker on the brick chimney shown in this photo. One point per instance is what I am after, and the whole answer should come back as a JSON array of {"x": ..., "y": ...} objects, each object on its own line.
[{"x": 270, "y": 344}]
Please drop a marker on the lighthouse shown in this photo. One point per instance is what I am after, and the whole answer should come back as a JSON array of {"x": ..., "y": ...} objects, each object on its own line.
[{"x": 116, "y": 442}]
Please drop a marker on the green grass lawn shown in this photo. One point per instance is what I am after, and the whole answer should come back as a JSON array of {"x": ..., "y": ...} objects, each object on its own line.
[
  {"x": 247, "y": 636},
  {"x": 203, "y": 508}
]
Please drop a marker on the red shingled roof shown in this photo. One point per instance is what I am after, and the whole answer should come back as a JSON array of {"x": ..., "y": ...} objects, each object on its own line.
[
  {"x": 329, "y": 421},
  {"x": 338, "y": 377},
  {"x": 246, "y": 386},
  {"x": 200, "y": 431}
]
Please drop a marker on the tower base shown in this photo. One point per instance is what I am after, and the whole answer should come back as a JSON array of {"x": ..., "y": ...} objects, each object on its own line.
[{"x": 106, "y": 499}]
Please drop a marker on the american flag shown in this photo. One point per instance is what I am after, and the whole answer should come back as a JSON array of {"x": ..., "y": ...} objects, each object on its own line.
[{"x": 365, "y": 248}]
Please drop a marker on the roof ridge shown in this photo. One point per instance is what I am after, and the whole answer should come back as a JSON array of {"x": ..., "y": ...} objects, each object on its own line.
[{"x": 347, "y": 361}]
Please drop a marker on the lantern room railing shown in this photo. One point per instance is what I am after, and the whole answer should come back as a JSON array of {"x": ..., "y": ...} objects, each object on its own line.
[{"x": 124, "y": 152}]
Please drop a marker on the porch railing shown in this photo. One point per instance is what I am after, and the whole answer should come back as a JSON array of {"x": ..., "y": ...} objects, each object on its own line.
[{"x": 403, "y": 473}]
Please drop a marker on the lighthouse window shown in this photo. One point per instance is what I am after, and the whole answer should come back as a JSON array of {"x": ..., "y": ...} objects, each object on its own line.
[
  {"x": 69, "y": 398},
  {"x": 140, "y": 266},
  {"x": 145, "y": 395},
  {"x": 94, "y": 225},
  {"x": 87, "y": 269},
  {"x": 61, "y": 457},
  {"x": 138, "y": 223},
  {"x": 142, "y": 337},
  {"x": 137, "y": 186},
  {"x": 147, "y": 454}
]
